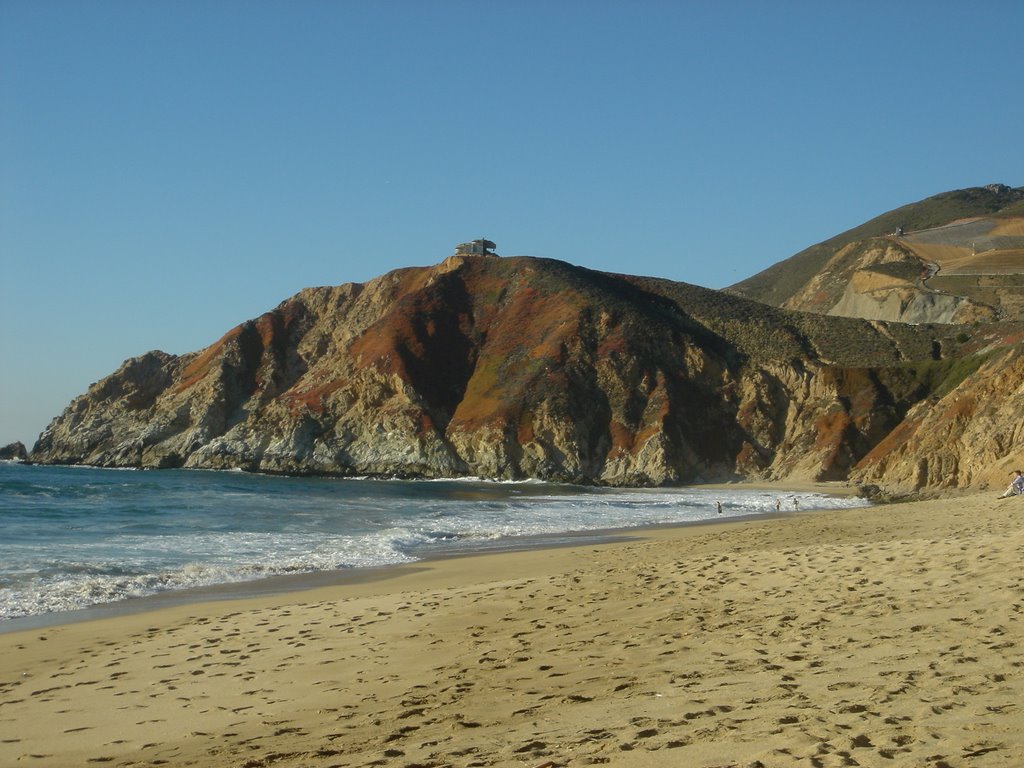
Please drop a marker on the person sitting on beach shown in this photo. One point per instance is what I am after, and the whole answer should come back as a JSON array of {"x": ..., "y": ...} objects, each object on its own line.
[{"x": 1016, "y": 486}]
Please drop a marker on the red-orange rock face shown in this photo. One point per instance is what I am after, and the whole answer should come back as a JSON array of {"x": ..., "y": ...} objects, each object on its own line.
[{"x": 514, "y": 368}]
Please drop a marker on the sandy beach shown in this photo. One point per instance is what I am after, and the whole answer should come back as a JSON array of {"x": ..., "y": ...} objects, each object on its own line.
[{"x": 889, "y": 636}]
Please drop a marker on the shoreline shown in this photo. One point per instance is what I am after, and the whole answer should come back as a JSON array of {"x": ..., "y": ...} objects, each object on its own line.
[
  {"x": 888, "y": 634},
  {"x": 280, "y": 584}
]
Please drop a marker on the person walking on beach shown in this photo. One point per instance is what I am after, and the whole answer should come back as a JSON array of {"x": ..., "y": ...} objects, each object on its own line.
[
  {"x": 796, "y": 503},
  {"x": 1016, "y": 486},
  {"x": 719, "y": 506},
  {"x": 778, "y": 505}
]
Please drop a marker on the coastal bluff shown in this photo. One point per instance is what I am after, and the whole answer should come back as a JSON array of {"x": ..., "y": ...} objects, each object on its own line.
[{"x": 518, "y": 367}]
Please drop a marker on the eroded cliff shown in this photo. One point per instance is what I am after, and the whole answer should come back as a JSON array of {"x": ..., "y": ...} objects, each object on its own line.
[
  {"x": 515, "y": 368},
  {"x": 957, "y": 257}
]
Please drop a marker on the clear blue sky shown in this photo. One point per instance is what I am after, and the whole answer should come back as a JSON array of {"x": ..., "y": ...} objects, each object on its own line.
[{"x": 171, "y": 169}]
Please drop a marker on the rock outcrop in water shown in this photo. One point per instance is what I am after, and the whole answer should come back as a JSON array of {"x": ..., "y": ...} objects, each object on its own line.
[
  {"x": 523, "y": 367},
  {"x": 13, "y": 452}
]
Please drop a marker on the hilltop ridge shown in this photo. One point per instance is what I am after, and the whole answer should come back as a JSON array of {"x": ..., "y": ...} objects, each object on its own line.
[
  {"x": 956, "y": 257},
  {"x": 520, "y": 367}
]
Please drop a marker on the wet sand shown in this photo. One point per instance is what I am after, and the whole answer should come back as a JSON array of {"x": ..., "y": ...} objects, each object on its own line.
[{"x": 884, "y": 636}]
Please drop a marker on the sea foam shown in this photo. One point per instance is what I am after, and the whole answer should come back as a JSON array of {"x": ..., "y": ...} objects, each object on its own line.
[{"x": 77, "y": 537}]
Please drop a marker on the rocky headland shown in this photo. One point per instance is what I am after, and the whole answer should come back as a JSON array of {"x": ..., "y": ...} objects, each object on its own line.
[{"x": 520, "y": 367}]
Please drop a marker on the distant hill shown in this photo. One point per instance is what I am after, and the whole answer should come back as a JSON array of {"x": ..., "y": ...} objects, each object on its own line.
[
  {"x": 957, "y": 257},
  {"x": 513, "y": 368}
]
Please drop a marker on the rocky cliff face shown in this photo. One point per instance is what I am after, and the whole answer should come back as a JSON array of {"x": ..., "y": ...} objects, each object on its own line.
[
  {"x": 884, "y": 279},
  {"x": 957, "y": 257},
  {"x": 972, "y": 436},
  {"x": 13, "y": 452},
  {"x": 515, "y": 368}
]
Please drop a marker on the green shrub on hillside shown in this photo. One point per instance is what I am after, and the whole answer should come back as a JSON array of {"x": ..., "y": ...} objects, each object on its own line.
[{"x": 940, "y": 377}]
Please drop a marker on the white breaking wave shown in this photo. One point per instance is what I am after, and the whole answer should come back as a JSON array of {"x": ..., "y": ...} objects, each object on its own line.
[{"x": 78, "y": 538}]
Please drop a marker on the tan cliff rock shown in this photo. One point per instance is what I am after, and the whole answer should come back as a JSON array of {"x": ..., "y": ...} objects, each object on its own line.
[
  {"x": 971, "y": 437},
  {"x": 532, "y": 368},
  {"x": 956, "y": 257},
  {"x": 884, "y": 279}
]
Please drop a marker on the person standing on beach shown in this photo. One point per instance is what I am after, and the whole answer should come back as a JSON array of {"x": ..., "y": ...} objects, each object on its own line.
[
  {"x": 719, "y": 506},
  {"x": 1016, "y": 486},
  {"x": 778, "y": 505},
  {"x": 796, "y": 503}
]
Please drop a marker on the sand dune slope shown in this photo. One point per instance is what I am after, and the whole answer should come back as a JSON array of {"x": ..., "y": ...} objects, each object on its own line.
[{"x": 884, "y": 637}]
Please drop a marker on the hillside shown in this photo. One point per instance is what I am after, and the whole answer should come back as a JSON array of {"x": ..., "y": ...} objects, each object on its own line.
[
  {"x": 957, "y": 257},
  {"x": 533, "y": 368}
]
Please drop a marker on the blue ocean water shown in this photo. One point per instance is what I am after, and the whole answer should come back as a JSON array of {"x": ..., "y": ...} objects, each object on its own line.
[{"x": 72, "y": 537}]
